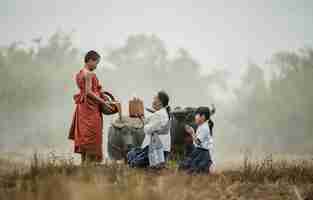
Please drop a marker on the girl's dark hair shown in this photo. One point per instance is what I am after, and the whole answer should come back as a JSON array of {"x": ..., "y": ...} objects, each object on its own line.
[
  {"x": 164, "y": 98},
  {"x": 206, "y": 112},
  {"x": 92, "y": 55}
]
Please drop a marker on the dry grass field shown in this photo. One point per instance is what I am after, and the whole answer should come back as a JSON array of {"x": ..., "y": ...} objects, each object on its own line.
[{"x": 61, "y": 179}]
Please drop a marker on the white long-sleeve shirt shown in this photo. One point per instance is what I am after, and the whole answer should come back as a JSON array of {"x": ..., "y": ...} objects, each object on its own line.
[
  {"x": 154, "y": 123},
  {"x": 205, "y": 137}
]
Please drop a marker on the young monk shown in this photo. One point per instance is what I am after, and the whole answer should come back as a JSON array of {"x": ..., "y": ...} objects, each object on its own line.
[{"x": 86, "y": 128}]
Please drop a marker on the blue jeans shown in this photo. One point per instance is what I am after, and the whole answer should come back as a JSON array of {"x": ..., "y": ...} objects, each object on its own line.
[{"x": 199, "y": 161}]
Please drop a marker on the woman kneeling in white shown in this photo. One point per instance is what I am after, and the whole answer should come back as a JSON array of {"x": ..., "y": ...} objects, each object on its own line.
[{"x": 156, "y": 145}]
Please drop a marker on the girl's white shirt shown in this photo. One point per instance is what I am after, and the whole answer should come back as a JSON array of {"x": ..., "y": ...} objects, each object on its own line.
[
  {"x": 204, "y": 135},
  {"x": 155, "y": 122}
]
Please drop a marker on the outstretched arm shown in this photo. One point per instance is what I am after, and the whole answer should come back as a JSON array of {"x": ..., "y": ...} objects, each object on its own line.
[
  {"x": 152, "y": 124},
  {"x": 89, "y": 92}
]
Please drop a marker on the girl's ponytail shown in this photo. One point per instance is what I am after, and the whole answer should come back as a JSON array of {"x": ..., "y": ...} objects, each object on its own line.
[
  {"x": 211, "y": 125},
  {"x": 168, "y": 110}
]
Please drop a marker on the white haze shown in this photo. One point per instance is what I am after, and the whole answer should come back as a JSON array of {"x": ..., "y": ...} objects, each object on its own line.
[{"x": 219, "y": 34}]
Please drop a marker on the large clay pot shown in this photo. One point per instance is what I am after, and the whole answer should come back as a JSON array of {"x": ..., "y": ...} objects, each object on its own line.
[
  {"x": 124, "y": 134},
  {"x": 179, "y": 137}
]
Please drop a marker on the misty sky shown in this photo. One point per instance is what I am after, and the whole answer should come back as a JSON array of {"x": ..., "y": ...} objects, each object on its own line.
[{"x": 218, "y": 33}]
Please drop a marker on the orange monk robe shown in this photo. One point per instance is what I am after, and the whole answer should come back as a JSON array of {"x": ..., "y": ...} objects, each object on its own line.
[{"x": 87, "y": 124}]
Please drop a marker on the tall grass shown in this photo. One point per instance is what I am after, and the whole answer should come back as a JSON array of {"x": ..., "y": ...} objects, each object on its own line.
[{"x": 56, "y": 178}]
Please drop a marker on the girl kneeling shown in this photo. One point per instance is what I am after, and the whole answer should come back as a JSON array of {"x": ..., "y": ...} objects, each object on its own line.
[
  {"x": 200, "y": 158},
  {"x": 156, "y": 145}
]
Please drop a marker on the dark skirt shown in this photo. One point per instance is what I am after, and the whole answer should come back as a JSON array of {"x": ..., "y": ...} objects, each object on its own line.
[
  {"x": 139, "y": 157},
  {"x": 199, "y": 161}
]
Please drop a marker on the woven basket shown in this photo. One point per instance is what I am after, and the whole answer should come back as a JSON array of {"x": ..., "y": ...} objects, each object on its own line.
[{"x": 114, "y": 106}]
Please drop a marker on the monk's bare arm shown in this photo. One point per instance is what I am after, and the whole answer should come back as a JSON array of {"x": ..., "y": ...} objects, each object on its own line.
[{"x": 89, "y": 92}]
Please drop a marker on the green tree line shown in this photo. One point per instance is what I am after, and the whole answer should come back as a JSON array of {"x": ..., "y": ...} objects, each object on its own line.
[{"x": 37, "y": 88}]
